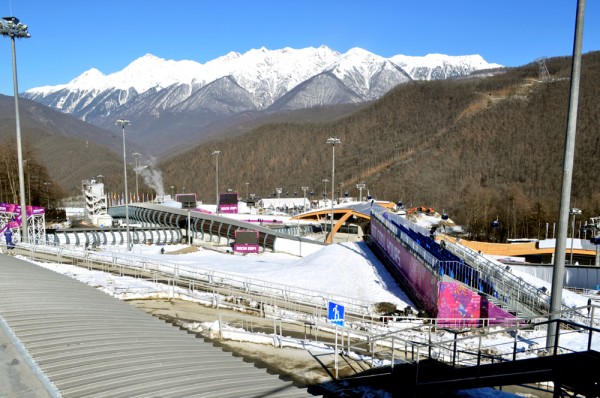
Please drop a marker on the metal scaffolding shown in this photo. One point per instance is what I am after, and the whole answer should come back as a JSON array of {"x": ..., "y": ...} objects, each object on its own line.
[{"x": 36, "y": 223}]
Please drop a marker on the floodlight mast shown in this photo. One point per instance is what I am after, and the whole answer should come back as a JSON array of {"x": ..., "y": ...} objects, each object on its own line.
[
  {"x": 360, "y": 187},
  {"x": 136, "y": 155},
  {"x": 124, "y": 123},
  {"x": 333, "y": 141},
  {"x": 11, "y": 27},
  {"x": 217, "y": 153}
]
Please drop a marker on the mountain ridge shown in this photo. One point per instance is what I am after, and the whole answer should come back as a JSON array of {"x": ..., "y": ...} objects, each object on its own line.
[{"x": 261, "y": 80}]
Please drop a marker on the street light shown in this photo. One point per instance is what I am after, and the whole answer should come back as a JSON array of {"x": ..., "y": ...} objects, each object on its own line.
[
  {"x": 304, "y": 189},
  {"x": 324, "y": 181},
  {"x": 136, "y": 155},
  {"x": 360, "y": 187},
  {"x": 247, "y": 191},
  {"x": 333, "y": 141},
  {"x": 217, "y": 178},
  {"x": 574, "y": 212},
  {"x": 47, "y": 194},
  {"x": 11, "y": 27},
  {"x": 124, "y": 123},
  {"x": 172, "y": 192}
]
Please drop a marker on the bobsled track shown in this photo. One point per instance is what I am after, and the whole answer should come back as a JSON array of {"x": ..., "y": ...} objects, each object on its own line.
[
  {"x": 158, "y": 224},
  {"x": 450, "y": 280}
]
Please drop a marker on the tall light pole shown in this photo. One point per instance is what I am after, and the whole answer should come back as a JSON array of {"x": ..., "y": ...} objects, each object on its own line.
[
  {"x": 216, "y": 153},
  {"x": 360, "y": 187},
  {"x": 124, "y": 123},
  {"x": 567, "y": 178},
  {"x": 47, "y": 194},
  {"x": 333, "y": 141},
  {"x": 304, "y": 189},
  {"x": 136, "y": 155},
  {"x": 11, "y": 27},
  {"x": 247, "y": 191},
  {"x": 574, "y": 212},
  {"x": 325, "y": 181},
  {"x": 172, "y": 192}
]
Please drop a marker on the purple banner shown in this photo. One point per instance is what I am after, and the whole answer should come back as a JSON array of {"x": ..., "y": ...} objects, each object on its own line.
[
  {"x": 12, "y": 208},
  {"x": 245, "y": 248},
  {"x": 423, "y": 283}
]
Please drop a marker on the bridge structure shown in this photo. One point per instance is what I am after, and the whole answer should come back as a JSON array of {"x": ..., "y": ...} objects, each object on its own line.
[{"x": 358, "y": 214}]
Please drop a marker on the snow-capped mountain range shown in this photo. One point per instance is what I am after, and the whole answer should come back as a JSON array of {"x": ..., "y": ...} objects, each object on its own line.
[{"x": 151, "y": 91}]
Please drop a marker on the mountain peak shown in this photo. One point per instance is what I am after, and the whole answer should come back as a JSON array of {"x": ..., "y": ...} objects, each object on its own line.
[{"x": 261, "y": 77}]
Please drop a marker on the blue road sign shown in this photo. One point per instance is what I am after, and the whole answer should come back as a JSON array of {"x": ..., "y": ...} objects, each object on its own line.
[{"x": 335, "y": 313}]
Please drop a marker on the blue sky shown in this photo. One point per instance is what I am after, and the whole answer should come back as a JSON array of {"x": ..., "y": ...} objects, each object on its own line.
[{"x": 72, "y": 36}]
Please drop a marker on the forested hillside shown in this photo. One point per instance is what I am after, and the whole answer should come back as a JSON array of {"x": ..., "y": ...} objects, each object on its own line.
[{"x": 481, "y": 149}]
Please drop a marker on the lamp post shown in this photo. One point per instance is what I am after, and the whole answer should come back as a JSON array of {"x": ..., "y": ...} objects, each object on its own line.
[
  {"x": 574, "y": 212},
  {"x": 247, "y": 191},
  {"x": 304, "y": 189},
  {"x": 360, "y": 187},
  {"x": 333, "y": 141},
  {"x": 11, "y": 27},
  {"x": 324, "y": 181},
  {"x": 172, "y": 192},
  {"x": 216, "y": 153},
  {"x": 136, "y": 155},
  {"x": 124, "y": 123},
  {"x": 47, "y": 194}
]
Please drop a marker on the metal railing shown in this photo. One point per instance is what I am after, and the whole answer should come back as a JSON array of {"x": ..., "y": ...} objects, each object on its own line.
[
  {"x": 284, "y": 296},
  {"x": 503, "y": 288},
  {"x": 521, "y": 294}
]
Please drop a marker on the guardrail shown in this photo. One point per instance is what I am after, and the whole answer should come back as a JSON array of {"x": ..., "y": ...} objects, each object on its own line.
[
  {"x": 521, "y": 294},
  {"x": 185, "y": 275},
  {"x": 502, "y": 288},
  {"x": 410, "y": 340}
]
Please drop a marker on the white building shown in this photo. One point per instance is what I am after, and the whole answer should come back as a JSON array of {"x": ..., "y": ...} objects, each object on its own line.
[{"x": 96, "y": 209}]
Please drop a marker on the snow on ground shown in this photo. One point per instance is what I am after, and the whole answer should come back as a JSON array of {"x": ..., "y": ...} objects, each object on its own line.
[{"x": 347, "y": 270}]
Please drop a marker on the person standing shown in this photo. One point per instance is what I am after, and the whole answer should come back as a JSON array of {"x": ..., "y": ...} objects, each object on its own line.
[{"x": 8, "y": 237}]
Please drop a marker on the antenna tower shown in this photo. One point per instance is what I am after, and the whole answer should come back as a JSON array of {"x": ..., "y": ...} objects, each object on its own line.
[{"x": 543, "y": 70}]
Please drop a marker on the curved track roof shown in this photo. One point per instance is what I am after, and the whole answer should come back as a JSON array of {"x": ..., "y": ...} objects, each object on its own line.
[
  {"x": 88, "y": 344},
  {"x": 202, "y": 223}
]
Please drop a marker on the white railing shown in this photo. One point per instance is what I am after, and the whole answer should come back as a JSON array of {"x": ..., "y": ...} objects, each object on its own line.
[{"x": 187, "y": 274}]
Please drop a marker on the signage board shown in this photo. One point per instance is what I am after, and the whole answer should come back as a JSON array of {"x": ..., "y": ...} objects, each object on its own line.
[{"x": 335, "y": 313}]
